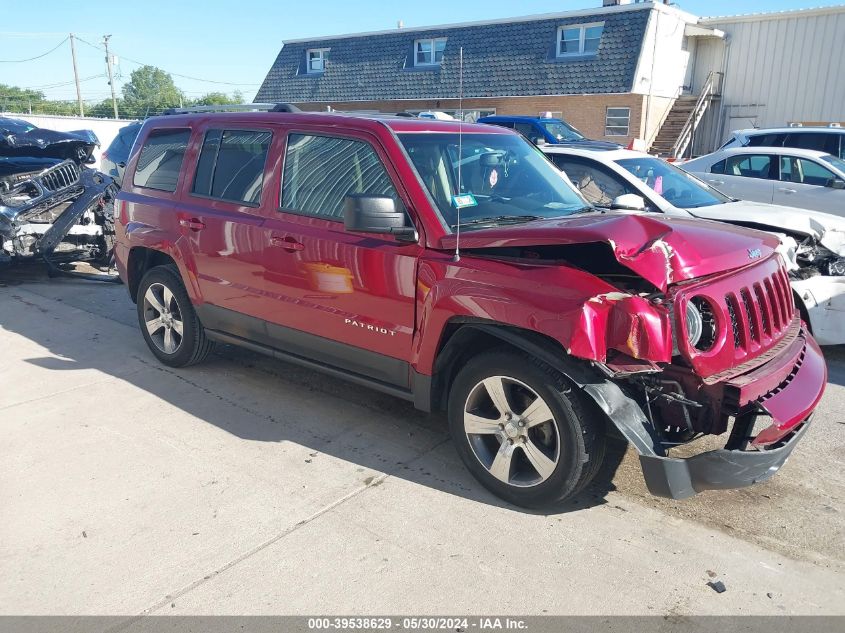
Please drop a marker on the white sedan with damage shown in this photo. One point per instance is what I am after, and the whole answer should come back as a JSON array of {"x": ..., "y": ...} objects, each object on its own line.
[{"x": 813, "y": 243}]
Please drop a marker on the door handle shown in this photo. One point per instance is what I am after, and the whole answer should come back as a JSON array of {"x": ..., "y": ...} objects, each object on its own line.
[
  {"x": 193, "y": 224},
  {"x": 787, "y": 190},
  {"x": 716, "y": 182},
  {"x": 288, "y": 243}
]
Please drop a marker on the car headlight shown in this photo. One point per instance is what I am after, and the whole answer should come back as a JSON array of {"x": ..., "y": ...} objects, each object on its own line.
[{"x": 695, "y": 324}]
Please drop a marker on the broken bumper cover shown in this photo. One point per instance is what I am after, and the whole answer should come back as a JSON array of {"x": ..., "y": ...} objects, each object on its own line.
[
  {"x": 678, "y": 478},
  {"x": 791, "y": 406}
]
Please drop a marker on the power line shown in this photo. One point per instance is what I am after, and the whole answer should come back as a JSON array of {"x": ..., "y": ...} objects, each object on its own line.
[
  {"x": 135, "y": 61},
  {"x": 29, "y": 59}
]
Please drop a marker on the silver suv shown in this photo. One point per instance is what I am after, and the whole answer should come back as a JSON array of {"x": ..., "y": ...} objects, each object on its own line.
[{"x": 830, "y": 140}]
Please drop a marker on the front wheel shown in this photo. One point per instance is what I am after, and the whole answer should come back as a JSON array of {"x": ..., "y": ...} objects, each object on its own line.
[
  {"x": 522, "y": 431},
  {"x": 168, "y": 321}
]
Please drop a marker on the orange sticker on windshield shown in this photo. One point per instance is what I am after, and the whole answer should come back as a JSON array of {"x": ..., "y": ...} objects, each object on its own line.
[{"x": 494, "y": 178}]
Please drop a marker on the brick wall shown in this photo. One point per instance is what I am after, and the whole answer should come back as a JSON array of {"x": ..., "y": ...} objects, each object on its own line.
[{"x": 585, "y": 112}]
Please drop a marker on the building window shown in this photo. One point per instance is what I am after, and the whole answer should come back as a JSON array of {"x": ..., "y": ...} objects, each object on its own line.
[
  {"x": 429, "y": 52},
  {"x": 617, "y": 122},
  {"x": 580, "y": 39},
  {"x": 317, "y": 59}
]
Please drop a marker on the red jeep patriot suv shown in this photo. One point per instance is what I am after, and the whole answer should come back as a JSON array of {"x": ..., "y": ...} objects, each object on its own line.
[{"x": 454, "y": 266}]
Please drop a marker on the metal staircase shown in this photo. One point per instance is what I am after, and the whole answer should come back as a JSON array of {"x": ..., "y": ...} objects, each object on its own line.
[{"x": 678, "y": 129}]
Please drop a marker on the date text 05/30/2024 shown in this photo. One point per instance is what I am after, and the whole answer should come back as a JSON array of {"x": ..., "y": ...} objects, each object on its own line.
[{"x": 417, "y": 623}]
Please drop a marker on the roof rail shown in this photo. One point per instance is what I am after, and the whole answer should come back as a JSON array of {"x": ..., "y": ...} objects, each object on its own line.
[{"x": 235, "y": 107}]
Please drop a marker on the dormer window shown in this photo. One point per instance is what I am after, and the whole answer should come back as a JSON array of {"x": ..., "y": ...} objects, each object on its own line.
[
  {"x": 316, "y": 59},
  {"x": 429, "y": 52},
  {"x": 579, "y": 39}
]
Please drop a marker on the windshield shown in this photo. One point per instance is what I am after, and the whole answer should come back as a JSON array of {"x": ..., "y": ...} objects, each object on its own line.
[
  {"x": 509, "y": 178},
  {"x": 836, "y": 162},
  {"x": 562, "y": 131},
  {"x": 679, "y": 188}
]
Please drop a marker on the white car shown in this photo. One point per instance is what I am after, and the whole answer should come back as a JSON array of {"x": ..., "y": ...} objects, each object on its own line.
[
  {"x": 813, "y": 243},
  {"x": 802, "y": 178}
]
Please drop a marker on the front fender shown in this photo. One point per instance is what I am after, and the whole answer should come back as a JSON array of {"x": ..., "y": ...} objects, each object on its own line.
[{"x": 586, "y": 315}]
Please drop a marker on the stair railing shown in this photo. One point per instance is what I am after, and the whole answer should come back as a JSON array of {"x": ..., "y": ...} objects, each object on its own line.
[{"x": 710, "y": 89}]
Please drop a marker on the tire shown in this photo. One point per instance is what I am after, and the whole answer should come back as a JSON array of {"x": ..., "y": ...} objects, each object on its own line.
[
  {"x": 495, "y": 446},
  {"x": 164, "y": 308}
]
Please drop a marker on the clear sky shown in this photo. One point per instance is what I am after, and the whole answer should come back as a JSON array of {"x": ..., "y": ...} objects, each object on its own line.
[{"x": 234, "y": 41}]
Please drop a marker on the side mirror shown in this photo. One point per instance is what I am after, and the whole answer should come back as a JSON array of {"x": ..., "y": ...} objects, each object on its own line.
[
  {"x": 836, "y": 183},
  {"x": 628, "y": 202},
  {"x": 365, "y": 213}
]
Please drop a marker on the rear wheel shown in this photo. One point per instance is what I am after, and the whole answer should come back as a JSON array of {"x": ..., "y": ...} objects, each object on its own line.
[
  {"x": 522, "y": 431},
  {"x": 168, "y": 320}
]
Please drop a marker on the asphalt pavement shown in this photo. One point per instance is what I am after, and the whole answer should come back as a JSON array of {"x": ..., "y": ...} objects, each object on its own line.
[{"x": 249, "y": 486}]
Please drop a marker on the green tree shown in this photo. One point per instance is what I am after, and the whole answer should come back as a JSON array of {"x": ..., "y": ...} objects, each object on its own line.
[
  {"x": 104, "y": 109},
  {"x": 14, "y": 99},
  {"x": 219, "y": 98},
  {"x": 149, "y": 91}
]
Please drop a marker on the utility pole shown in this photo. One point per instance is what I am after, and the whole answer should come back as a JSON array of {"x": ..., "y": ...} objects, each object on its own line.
[
  {"x": 111, "y": 79},
  {"x": 76, "y": 76}
]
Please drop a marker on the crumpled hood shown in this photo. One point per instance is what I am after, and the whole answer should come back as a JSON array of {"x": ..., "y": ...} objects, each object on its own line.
[
  {"x": 827, "y": 228},
  {"x": 40, "y": 142},
  {"x": 660, "y": 249}
]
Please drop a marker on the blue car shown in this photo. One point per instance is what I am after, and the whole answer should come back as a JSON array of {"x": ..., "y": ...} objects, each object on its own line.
[{"x": 547, "y": 130}]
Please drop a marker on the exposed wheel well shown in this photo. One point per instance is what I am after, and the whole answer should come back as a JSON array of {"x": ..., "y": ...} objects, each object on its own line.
[
  {"x": 462, "y": 340},
  {"x": 140, "y": 261}
]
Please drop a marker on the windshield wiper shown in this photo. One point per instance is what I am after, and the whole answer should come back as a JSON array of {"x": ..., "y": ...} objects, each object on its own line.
[{"x": 499, "y": 219}]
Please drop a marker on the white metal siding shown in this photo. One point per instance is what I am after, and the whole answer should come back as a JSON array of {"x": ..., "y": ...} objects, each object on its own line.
[{"x": 778, "y": 69}]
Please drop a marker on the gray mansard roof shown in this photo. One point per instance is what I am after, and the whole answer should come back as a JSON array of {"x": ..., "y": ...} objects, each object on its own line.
[{"x": 502, "y": 58}]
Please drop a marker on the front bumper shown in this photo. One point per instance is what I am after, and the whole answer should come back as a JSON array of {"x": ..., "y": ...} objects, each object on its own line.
[
  {"x": 678, "y": 478},
  {"x": 801, "y": 376}
]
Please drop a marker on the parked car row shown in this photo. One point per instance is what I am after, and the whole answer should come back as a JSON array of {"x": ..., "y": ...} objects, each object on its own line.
[{"x": 454, "y": 266}]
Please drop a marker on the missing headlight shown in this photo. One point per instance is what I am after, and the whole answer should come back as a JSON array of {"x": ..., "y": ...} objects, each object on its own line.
[{"x": 701, "y": 324}]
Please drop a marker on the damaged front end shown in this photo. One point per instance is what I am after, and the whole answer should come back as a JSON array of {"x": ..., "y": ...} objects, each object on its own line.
[
  {"x": 698, "y": 336},
  {"x": 62, "y": 214}
]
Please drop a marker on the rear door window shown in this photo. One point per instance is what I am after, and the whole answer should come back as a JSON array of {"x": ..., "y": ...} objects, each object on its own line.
[
  {"x": 320, "y": 171},
  {"x": 748, "y": 165},
  {"x": 818, "y": 141},
  {"x": 161, "y": 159},
  {"x": 231, "y": 165}
]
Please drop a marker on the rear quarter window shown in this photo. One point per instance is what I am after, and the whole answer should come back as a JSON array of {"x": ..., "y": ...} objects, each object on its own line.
[{"x": 161, "y": 158}]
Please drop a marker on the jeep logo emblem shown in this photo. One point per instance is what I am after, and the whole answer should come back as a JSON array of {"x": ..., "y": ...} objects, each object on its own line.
[{"x": 754, "y": 253}]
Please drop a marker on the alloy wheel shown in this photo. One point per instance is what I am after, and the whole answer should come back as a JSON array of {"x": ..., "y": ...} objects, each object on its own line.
[
  {"x": 163, "y": 318},
  {"x": 512, "y": 431}
]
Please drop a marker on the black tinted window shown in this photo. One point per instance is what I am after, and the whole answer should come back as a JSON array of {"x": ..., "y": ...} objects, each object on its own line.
[
  {"x": 321, "y": 171},
  {"x": 810, "y": 140},
  {"x": 718, "y": 168},
  {"x": 231, "y": 165},
  {"x": 161, "y": 159},
  {"x": 766, "y": 140}
]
